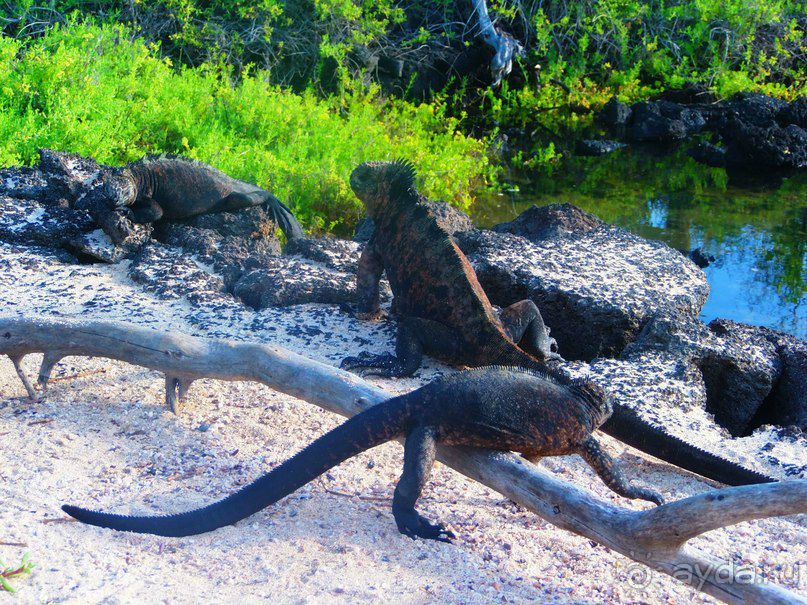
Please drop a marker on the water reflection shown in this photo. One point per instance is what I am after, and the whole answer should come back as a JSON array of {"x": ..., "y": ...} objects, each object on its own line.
[{"x": 757, "y": 233}]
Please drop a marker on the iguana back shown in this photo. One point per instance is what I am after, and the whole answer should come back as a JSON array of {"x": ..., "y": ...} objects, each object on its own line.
[
  {"x": 431, "y": 278},
  {"x": 172, "y": 187}
]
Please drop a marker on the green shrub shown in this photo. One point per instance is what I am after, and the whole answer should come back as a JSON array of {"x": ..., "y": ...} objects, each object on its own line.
[{"x": 89, "y": 89}]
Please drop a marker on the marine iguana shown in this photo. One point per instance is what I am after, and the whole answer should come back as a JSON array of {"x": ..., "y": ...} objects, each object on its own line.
[
  {"x": 172, "y": 187},
  {"x": 444, "y": 312},
  {"x": 497, "y": 407}
]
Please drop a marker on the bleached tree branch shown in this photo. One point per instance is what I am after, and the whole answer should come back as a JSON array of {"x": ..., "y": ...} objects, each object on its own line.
[{"x": 654, "y": 537}]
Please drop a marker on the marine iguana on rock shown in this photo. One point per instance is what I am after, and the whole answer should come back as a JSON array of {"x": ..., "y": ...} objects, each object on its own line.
[
  {"x": 501, "y": 408},
  {"x": 172, "y": 187},
  {"x": 444, "y": 312}
]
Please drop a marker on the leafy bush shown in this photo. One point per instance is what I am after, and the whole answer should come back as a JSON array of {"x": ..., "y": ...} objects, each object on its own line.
[
  {"x": 89, "y": 89},
  {"x": 626, "y": 46}
]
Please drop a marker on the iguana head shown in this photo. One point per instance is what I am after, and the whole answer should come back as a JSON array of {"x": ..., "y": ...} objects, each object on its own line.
[
  {"x": 119, "y": 187},
  {"x": 379, "y": 184},
  {"x": 595, "y": 397}
]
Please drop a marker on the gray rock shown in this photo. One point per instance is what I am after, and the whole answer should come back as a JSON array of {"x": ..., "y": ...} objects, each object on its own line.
[
  {"x": 172, "y": 274},
  {"x": 786, "y": 403},
  {"x": 596, "y": 287},
  {"x": 68, "y": 175},
  {"x": 762, "y": 148},
  {"x": 248, "y": 223},
  {"x": 97, "y": 244},
  {"x": 544, "y": 222},
  {"x": 794, "y": 113},
  {"x": 596, "y": 147},
  {"x": 24, "y": 221},
  {"x": 230, "y": 256},
  {"x": 755, "y": 108},
  {"x": 615, "y": 115},
  {"x": 740, "y": 367},
  {"x": 648, "y": 124},
  {"x": 24, "y": 182},
  {"x": 338, "y": 254},
  {"x": 288, "y": 281},
  {"x": 449, "y": 218},
  {"x": 312, "y": 270}
]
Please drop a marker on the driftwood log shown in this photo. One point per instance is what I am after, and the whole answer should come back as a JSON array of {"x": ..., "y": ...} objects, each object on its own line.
[
  {"x": 504, "y": 46},
  {"x": 655, "y": 537}
]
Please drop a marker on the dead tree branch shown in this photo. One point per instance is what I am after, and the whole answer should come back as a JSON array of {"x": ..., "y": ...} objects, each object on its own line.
[
  {"x": 654, "y": 537},
  {"x": 504, "y": 45}
]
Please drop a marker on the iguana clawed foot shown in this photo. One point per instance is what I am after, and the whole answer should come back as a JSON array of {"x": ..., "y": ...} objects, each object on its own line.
[
  {"x": 414, "y": 525},
  {"x": 369, "y": 364}
]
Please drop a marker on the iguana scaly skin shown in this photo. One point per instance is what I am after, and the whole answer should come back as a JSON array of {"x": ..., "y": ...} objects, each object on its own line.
[
  {"x": 499, "y": 408},
  {"x": 174, "y": 188},
  {"x": 444, "y": 312},
  {"x": 442, "y": 307}
]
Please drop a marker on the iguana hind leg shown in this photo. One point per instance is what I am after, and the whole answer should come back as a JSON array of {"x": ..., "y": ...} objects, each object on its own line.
[
  {"x": 419, "y": 452},
  {"x": 415, "y": 335},
  {"x": 524, "y": 325},
  {"x": 606, "y": 468}
]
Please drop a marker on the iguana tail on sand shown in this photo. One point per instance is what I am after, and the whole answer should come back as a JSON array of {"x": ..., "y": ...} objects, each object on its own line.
[
  {"x": 171, "y": 187},
  {"x": 444, "y": 312},
  {"x": 499, "y": 408}
]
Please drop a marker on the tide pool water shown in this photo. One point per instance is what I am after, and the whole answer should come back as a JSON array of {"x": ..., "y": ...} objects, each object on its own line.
[{"x": 755, "y": 229}]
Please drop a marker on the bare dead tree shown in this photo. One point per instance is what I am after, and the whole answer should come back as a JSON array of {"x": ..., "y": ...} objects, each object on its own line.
[
  {"x": 505, "y": 47},
  {"x": 656, "y": 537}
]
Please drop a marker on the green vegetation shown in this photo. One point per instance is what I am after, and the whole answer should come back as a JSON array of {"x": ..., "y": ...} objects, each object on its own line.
[
  {"x": 587, "y": 50},
  {"x": 91, "y": 90},
  {"x": 628, "y": 47},
  {"x": 14, "y": 572}
]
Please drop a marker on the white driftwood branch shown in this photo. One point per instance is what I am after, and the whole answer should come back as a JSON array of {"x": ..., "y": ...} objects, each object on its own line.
[
  {"x": 504, "y": 46},
  {"x": 653, "y": 537}
]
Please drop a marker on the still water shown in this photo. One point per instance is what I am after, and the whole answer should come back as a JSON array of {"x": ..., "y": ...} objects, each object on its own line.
[{"x": 757, "y": 232}]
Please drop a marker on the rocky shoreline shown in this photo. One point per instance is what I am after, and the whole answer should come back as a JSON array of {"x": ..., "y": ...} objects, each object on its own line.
[
  {"x": 624, "y": 310},
  {"x": 749, "y": 132}
]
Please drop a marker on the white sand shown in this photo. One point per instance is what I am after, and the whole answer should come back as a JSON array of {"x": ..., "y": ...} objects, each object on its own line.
[{"x": 102, "y": 438}]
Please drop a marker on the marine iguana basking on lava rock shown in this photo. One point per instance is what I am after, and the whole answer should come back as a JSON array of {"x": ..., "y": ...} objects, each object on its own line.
[
  {"x": 174, "y": 188},
  {"x": 444, "y": 312},
  {"x": 500, "y": 408}
]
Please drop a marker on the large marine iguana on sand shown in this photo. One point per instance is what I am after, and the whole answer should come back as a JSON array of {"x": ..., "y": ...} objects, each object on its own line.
[
  {"x": 174, "y": 188},
  {"x": 500, "y": 408},
  {"x": 444, "y": 312}
]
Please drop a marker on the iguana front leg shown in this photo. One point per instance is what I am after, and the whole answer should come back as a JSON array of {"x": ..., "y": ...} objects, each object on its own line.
[
  {"x": 419, "y": 452},
  {"x": 608, "y": 471},
  {"x": 524, "y": 325},
  {"x": 368, "y": 278},
  {"x": 407, "y": 358},
  {"x": 146, "y": 211}
]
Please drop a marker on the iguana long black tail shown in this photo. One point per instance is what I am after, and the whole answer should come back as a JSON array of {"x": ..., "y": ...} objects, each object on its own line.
[
  {"x": 628, "y": 427},
  {"x": 364, "y": 431},
  {"x": 498, "y": 408}
]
